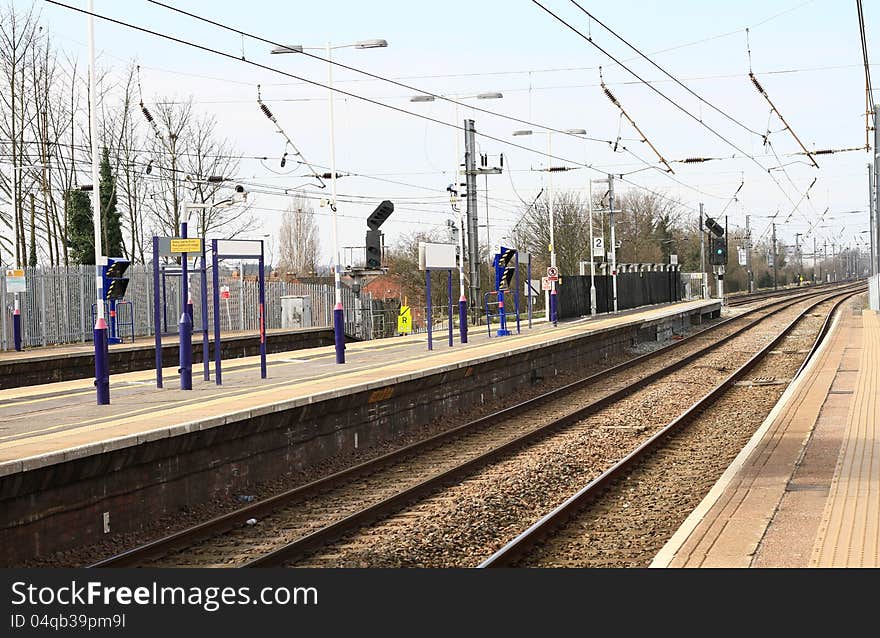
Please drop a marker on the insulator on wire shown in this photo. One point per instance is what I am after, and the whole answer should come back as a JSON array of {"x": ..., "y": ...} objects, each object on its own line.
[
  {"x": 756, "y": 83},
  {"x": 610, "y": 96},
  {"x": 695, "y": 160},
  {"x": 146, "y": 113},
  {"x": 284, "y": 159},
  {"x": 266, "y": 111}
]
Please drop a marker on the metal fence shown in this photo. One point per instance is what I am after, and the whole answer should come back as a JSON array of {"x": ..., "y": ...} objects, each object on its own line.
[{"x": 58, "y": 306}]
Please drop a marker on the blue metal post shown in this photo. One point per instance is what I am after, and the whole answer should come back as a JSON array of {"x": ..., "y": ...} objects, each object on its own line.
[
  {"x": 339, "y": 332},
  {"x": 16, "y": 328},
  {"x": 553, "y": 305},
  {"x": 102, "y": 363},
  {"x": 451, "y": 313},
  {"x": 516, "y": 296},
  {"x": 502, "y": 316},
  {"x": 429, "y": 309},
  {"x": 529, "y": 277},
  {"x": 215, "y": 265},
  {"x": 462, "y": 319},
  {"x": 262, "y": 285},
  {"x": 156, "y": 314},
  {"x": 206, "y": 357},
  {"x": 185, "y": 324}
]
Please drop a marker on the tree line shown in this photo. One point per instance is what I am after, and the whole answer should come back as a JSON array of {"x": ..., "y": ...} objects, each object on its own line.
[{"x": 156, "y": 154}]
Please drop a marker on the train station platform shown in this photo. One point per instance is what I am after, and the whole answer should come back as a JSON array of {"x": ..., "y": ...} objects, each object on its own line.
[
  {"x": 49, "y": 364},
  {"x": 67, "y": 466},
  {"x": 805, "y": 491}
]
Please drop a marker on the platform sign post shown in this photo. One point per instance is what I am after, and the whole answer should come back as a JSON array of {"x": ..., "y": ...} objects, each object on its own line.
[
  {"x": 240, "y": 249},
  {"x": 428, "y": 309},
  {"x": 16, "y": 284},
  {"x": 262, "y": 287},
  {"x": 206, "y": 359},
  {"x": 215, "y": 276},
  {"x": 156, "y": 315},
  {"x": 185, "y": 323},
  {"x": 516, "y": 296},
  {"x": 451, "y": 314},
  {"x": 529, "y": 279}
]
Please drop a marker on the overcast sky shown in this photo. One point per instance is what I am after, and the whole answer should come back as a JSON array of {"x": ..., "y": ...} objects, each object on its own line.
[{"x": 806, "y": 55}]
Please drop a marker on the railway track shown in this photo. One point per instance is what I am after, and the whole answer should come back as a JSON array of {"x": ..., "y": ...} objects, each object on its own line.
[
  {"x": 624, "y": 516},
  {"x": 289, "y": 526},
  {"x": 742, "y": 300}
]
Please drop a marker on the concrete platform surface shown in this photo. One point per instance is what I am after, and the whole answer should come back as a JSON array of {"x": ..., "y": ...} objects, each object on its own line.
[
  {"x": 805, "y": 491},
  {"x": 47, "y": 424}
]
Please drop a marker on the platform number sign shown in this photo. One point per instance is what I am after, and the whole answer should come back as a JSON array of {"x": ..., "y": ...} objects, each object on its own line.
[{"x": 599, "y": 245}]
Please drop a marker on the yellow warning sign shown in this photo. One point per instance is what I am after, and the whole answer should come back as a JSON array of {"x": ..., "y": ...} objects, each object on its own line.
[
  {"x": 404, "y": 320},
  {"x": 186, "y": 245}
]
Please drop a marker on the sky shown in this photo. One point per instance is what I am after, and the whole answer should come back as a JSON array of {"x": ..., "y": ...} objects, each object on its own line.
[{"x": 806, "y": 55}]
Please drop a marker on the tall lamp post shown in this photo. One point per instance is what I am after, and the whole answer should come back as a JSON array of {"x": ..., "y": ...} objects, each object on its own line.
[
  {"x": 102, "y": 356},
  {"x": 462, "y": 300},
  {"x": 338, "y": 310},
  {"x": 551, "y": 302}
]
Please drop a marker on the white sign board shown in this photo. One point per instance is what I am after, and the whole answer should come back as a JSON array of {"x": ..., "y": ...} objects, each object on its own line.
[
  {"x": 437, "y": 256},
  {"x": 532, "y": 289},
  {"x": 770, "y": 259},
  {"x": 599, "y": 244},
  {"x": 239, "y": 247},
  {"x": 546, "y": 284},
  {"x": 552, "y": 273},
  {"x": 741, "y": 252},
  {"x": 15, "y": 281},
  {"x": 673, "y": 260}
]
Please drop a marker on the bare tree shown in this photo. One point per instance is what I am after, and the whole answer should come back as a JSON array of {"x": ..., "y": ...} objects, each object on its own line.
[
  {"x": 188, "y": 156},
  {"x": 570, "y": 230},
  {"x": 298, "y": 238},
  {"x": 18, "y": 34}
]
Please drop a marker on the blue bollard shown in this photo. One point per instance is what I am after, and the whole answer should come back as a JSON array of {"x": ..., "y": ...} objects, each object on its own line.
[
  {"x": 16, "y": 329},
  {"x": 185, "y": 334},
  {"x": 462, "y": 318},
  {"x": 339, "y": 333},
  {"x": 553, "y": 306},
  {"x": 102, "y": 362}
]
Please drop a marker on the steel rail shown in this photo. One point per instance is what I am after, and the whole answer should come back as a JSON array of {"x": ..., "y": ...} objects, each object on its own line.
[
  {"x": 232, "y": 520},
  {"x": 520, "y": 546}
]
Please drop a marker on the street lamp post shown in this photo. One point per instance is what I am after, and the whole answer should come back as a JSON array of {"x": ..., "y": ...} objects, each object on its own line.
[
  {"x": 552, "y": 301},
  {"x": 338, "y": 310},
  {"x": 102, "y": 355},
  {"x": 462, "y": 300}
]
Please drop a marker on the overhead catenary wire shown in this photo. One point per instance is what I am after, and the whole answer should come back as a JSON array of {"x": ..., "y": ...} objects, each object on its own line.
[
  {"x": 623, "y": 112},
  {"x": 665, "y": 97},
  {"x": 280, "y": 130},
  {"x": 391, "y": 107},
  {"x": 759, "y": 87}
]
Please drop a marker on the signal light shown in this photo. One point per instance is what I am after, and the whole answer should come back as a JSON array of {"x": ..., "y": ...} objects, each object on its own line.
[
  {"x": 374, "y": 249},
  {"x": 115, "y": 284},
  {"x": 714, "y": 227},
  {"x": 377, "y": 217}
]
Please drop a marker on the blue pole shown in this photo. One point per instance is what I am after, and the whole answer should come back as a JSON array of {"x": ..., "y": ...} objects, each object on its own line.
[
  {"x": 215, "y": 264},
  {"x": 156, "y": 315},
  {"x": 206, "y": 357},
  {"x": 102, "y": 363},
  {"x": 16, "y": 328},
  {"x": 462, "y": 319},
  {"x": 184, "y": 328},
  {"x": 529, "y": 278},
  {"x": 516, "y": 296},
  {"x": 451, "y": 313},
  {"x": 262, "y": 284},
  {"x": 553, "y": 305},
  {"x": 429, "y": 308}
]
